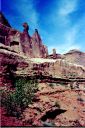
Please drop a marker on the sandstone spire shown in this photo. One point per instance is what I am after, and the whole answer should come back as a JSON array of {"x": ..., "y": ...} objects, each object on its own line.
[
  {"x": 37, "y": 36},
  {"x": 26, "y": 27}
]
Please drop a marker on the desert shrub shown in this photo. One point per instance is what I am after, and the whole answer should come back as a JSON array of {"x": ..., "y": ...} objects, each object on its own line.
[
  {"x": 72, "y": 75},
  {"x": 62, "y": 83},
  {"x": 57, "y": 104},
  {"x": 16, "y": 101},
  {"x": 51, "y": 85},
  {"x": 71, "y": 85}
]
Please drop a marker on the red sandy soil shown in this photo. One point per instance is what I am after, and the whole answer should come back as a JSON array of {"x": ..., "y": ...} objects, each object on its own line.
[{"x": 45, "y": 100}]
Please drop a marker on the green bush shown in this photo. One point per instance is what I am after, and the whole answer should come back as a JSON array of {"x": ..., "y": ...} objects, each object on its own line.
[
  {"x": 62, "y": 83},
  {"x": 57, "y": 104},
  {"x": 52, "y": 85},
  {"x": 16, "y": 101}
]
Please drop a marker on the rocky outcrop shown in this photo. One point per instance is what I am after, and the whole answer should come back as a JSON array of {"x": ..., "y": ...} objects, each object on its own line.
[
  {"x": 10, "y": 62},
  {"x": 22, "y": 43},
  {"x": 55, "y": 55},
  {"x": 3, "y": 20},
  {"x": 59, "y": 68},
  {"x": 37, "y": 47},
  {"x": 75, "y": 57}
]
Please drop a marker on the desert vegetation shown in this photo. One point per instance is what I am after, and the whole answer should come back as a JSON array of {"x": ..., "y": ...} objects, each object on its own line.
[{"x": 18, "y": 99}]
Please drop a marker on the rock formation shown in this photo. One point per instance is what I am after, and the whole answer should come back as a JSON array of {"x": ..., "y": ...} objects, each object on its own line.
[
  {"x": 3, "y": 20},
  {"x": 60, "y": 99},
  {"x": 19, "y": 50},
  {"x": 75, "y": 57},
  {"x": 55, "y": 55},
  {"x": 22, "y": 43},
  {"x": 50, "y": 69},
  {"x": 26, "y": 28}
]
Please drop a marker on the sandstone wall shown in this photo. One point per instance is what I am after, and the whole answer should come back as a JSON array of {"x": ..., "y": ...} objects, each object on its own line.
[
  {"x": 76, "y": 57},
  {"x": 11, "y": 62}
]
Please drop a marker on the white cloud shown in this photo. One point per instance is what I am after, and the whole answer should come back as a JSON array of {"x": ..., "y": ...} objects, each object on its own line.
[
  {"x": 67, "y": 7},
  {"x": 70, "y": 35},
  {"x": 63, "y": 48},
  {"x": 60, "y": 12},
  {"x": 60, "y": 17},
  {"x": 69, "y": 41}
]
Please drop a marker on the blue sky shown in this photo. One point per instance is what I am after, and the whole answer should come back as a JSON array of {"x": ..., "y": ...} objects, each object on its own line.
[{"x": 61, "y": 23}]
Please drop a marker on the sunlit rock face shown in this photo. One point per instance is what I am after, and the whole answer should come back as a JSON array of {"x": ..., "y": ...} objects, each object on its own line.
[
  {"x": 39, "y": 50},
  {"x": 75, "y": 56}
]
